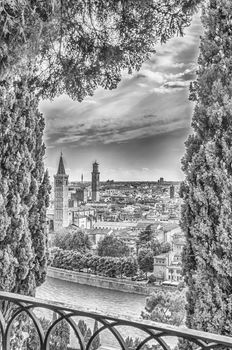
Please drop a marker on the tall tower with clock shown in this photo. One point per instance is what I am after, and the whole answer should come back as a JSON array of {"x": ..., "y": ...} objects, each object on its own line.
[
  {"x": 95, "y": 182},
  {"x": 60, "y": 197}
]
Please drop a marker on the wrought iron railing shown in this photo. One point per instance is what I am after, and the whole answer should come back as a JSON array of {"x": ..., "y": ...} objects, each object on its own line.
[{"x": 38, "y": 324}]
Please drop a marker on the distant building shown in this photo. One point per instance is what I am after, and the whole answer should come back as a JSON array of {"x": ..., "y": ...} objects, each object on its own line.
[
  {"x": 61, "y": 217},
  {"x": 95, "y": 182},
  {"x": 163, "y": 208},
  {"x": 178, "y": 243},
  {"x": 114, "y": 225},
  {"x": 170, "y": 230},
  {"x": 96, "y": 235},
  {"x": 168, "y": 266},
  {"x": 172, "y": 192},
  {"x": 160, "y": 266},
  {"x": 82, "y": 217},
  {"x": 174, "y": 272},
  {"x": 79, "y": 196},
  {"x": 161, "y": 181}
]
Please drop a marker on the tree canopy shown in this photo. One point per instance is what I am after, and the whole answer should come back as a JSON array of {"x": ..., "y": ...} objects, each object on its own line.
[
  {"x": 159, "y": 247},
  {"x": 145, "y": 260},
  {"x": 24, "y": 188},
  {"x": 102, "y": 265},
  {"x": 145, "y": 236},
  {"x": 147, "y": 240},
  {"x": 72, "y": 238},
  {"x": 165, "y": 306},
  {"x": 47, "y": 48},
  {"x": 74, "y": 46},
  {"x": 207, "y": 191},
  {"x": 112, "y": 246}
]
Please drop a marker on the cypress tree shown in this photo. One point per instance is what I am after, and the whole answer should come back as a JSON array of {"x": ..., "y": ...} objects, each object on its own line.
[
  {"x": 96, "y": 343},
  {"x": 23, "y": 189},
  {"x": 48, "y": 48},
  {"x": 207, "y": 189}
]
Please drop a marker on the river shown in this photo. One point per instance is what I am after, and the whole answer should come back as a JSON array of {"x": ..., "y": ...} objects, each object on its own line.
[{"x": 96, "y": 299}]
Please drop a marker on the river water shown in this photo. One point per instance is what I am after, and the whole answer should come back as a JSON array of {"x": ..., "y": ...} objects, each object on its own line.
[
  {"x": 99, "y": 300},
  {"x": 93, "y": 298}
]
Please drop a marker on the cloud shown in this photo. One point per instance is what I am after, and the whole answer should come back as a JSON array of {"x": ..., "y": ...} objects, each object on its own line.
[
  {"x": 120, "y": 130},
  {"x": 147, "y": 107},
  {"x": 157, "y": 77},
  {"x": 176, "y": 84}
]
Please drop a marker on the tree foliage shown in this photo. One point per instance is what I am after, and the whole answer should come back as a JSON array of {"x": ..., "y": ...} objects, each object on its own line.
[
  {"x": 133, "y": 343},
  {"x": 166, "y": 307},
  {"x": 25, "y": 335},
  {"x": 106, "y": 266},
  {"x": 72, "y": 238},
  {"x": 87, "y": 333},
  {"x": 47, "y": 48},
  {"x": 147, "y": 240},
  {"x": 85, "y": 330},
  {"x": 76, "y": 46},
  {"x": 23, "y": 191},
  {"x": 60, "y": 336},
  {"x": 207, "y": 189},
  {"x": 145, "y": 236},
  {"x": 145, "y": 260},
  {"x": 96, "y": 343},
  {"x": 112, "y": 246},
  {"x": 160, "y": 247}
]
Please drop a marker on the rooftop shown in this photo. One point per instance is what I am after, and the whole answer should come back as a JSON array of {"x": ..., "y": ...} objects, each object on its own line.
[
  {"x": 170, "y": 226},
  {"x": 161, "y": 256}
]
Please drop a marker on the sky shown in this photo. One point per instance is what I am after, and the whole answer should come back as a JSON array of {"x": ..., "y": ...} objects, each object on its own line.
[{"x": 135, "y": 132}]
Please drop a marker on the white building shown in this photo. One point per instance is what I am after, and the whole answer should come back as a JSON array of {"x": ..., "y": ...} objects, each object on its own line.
[{"x": 115, "y": 225}]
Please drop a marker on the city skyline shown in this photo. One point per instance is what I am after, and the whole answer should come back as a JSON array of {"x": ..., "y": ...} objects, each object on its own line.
[{"x": 137, "y": 131}]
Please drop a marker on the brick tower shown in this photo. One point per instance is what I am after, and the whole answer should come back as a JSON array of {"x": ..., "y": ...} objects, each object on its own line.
[
  {"x": 95, "y": 182},
  {"x": 60, "y": 197},
  {"x": 172, "y": 192}
]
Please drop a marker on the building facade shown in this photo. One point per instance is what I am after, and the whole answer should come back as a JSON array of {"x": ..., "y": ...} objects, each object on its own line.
[
  {"x": 160, "y": 266},
  {"x": 82, "y": 217},
  {"x": 168, "y": 266},
  {"x": 80, "y": 196},
  {"x": 61, "y": 217},
  {"x": 95, "y": 182}
]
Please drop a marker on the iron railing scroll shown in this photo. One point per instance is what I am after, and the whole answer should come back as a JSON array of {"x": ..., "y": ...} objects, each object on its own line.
[{"x": 33, "y": 324}]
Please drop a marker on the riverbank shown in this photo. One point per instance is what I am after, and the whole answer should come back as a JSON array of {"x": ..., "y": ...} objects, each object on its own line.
[{"x": 121, "y": 285}]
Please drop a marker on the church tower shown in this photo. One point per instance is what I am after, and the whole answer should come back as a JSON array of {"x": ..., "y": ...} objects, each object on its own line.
[
  {"x": 60, "y": 197},
  {"x": 95, "y": 183}
]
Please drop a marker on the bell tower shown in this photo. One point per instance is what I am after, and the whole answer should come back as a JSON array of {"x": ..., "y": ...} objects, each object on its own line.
[
  {"x": 95, "y": 182},
  {"x": 60, "y": 197}
]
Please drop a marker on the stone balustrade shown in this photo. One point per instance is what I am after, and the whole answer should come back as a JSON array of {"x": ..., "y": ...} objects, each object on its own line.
[{"x": 22, "y": 321}]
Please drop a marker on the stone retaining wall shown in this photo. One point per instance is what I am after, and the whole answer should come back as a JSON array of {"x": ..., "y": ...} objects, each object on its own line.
[{"x": 100, "y": 281}]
